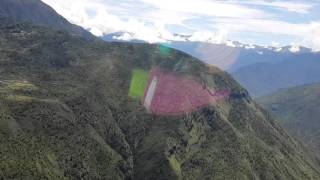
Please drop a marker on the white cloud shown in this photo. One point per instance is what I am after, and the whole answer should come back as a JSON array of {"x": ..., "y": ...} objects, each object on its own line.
[
  {"x": 312, "y": 38},
  {"x": 230, "y": 43},
  {"x": 96, "y": 31},
  {"x": 212, "y": 37},
  {"x": 149, "y": 20},
  {"x": 102, "y": 22},
  {"x": 294, "y": 48},
  {"x": 306, "y": 34},
  {"x": 275, "y": 44},
  {"x": 260, "y": 25},
  {"x": 207, "y": 7},
  {"x": 293, "y": 6},
  {"x": 250, "y": 46},
  {"x": 125, "y": 37}
]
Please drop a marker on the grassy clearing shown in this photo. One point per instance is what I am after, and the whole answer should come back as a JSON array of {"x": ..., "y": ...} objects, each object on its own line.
[
  {"x": 10, "y": 86},
  {"x": 175, "y": 165},
  {"x": 138, "y": 83}
]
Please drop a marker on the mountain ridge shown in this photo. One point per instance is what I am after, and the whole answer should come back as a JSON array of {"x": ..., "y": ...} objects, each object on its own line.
[{"x": 37, "y": 12}]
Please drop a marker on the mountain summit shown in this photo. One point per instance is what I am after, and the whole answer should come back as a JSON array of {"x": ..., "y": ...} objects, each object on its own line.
[{"x": 37, "y": 12}]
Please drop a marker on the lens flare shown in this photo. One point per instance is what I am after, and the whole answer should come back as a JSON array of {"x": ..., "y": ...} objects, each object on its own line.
[
  {"x": 164, "y": 49},
  {"x": 167, "y": 93},
  {"x": 223, "y": 57},
  {"x": 170, "y": 94}
]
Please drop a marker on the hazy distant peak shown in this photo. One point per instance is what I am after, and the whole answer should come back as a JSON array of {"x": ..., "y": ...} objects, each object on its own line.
[{"x": 294, "y": 48}]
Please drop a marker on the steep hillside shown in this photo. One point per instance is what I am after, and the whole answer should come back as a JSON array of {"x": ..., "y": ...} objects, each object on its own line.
[
  {"x": 298, "y": 109},
  {"x": 37, "y": 12},
  {"x": 67, "y": 112}
]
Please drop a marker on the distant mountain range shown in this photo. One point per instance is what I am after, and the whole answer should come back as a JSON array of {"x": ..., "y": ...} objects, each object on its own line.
[
  {"x": 265, "y": 78},
  {"x": 298, "y": 109},
  {"x": 261, "y": 70},
  {"x": 66, "y": 112}
]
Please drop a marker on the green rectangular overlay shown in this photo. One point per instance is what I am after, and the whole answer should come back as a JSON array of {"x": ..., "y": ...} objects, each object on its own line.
[{"x": 139, "y": 82}]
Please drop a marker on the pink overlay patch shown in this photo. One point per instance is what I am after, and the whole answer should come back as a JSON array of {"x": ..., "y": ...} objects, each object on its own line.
[{"x": 170, "y": 94}]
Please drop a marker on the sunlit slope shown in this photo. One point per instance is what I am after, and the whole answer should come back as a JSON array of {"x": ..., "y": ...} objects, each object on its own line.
[{"x": 66, "y": 113}]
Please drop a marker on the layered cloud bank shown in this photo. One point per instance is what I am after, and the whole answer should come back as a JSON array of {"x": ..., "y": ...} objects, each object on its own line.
[{"x": 256, "y": 22}]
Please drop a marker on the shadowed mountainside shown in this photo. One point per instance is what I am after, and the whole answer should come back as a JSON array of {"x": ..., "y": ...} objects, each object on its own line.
[{"x": 298, "y": 109}]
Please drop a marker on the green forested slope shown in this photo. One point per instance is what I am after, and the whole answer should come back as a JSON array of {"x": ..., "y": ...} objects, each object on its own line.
[
  {"x": 65, "y": 114},
  {"x": 298, "y": 109}
]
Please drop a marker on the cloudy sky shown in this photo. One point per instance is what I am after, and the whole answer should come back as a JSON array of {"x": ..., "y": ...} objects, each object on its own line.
[{"x": 262, "y": 22}]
